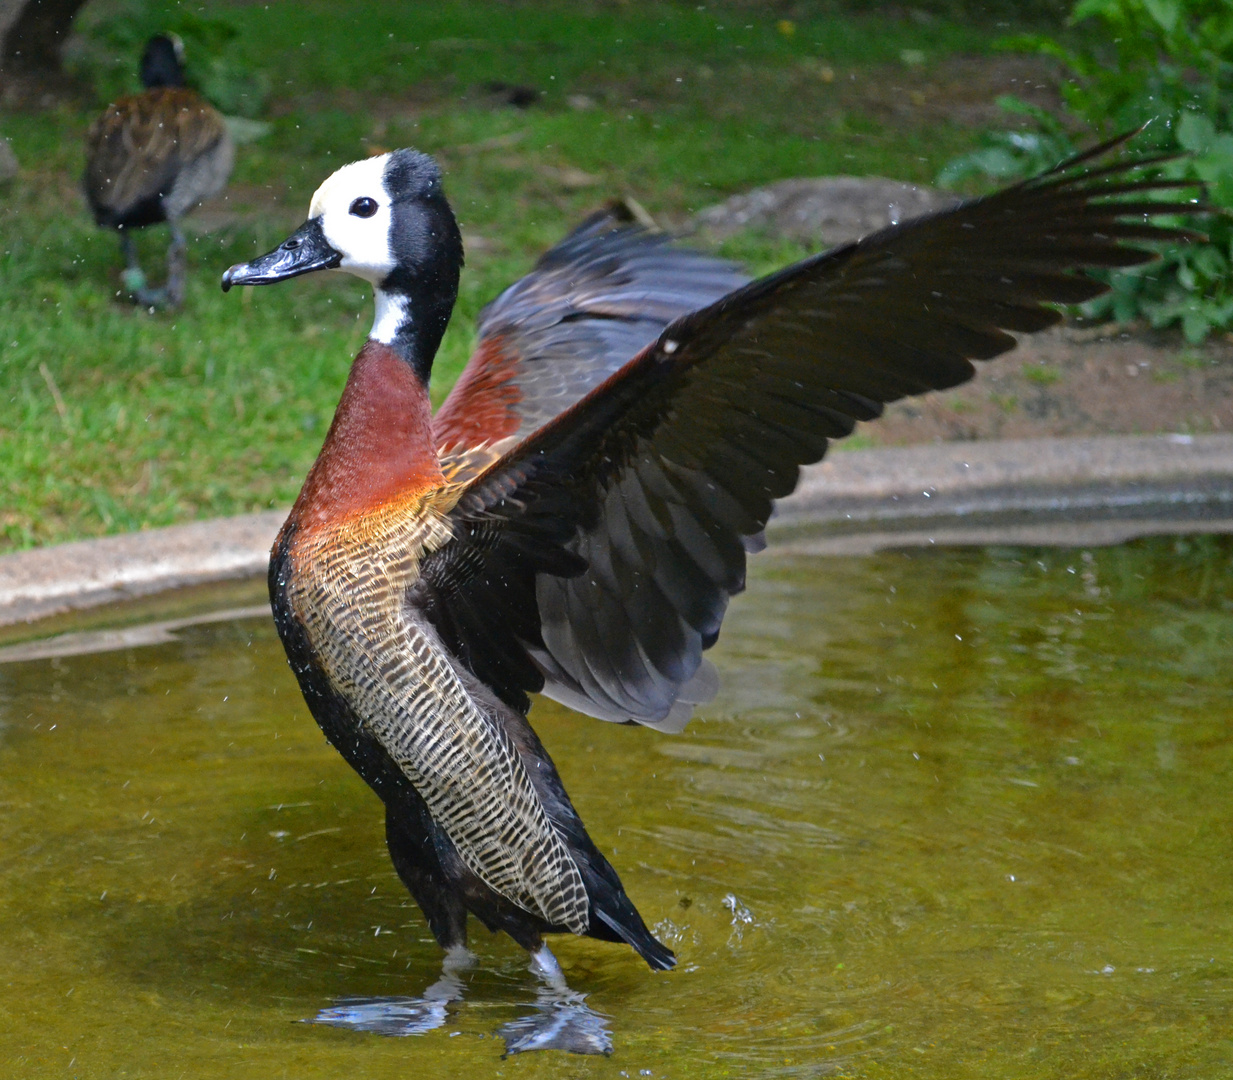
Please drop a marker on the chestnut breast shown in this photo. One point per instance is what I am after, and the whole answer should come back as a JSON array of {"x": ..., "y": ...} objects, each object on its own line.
[{"x": 373, "y": 504}]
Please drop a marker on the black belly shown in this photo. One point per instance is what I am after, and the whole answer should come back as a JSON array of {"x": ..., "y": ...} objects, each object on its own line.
[{"x": 147, "y": 211}]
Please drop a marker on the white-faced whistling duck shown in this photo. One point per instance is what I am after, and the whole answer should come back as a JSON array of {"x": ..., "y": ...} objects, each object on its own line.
[
  {"x": 575, "y": 518},
  {"x": 152, "y": 157}
]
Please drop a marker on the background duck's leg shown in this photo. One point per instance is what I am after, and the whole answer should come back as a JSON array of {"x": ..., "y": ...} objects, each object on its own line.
[
  {"x": 133, "y": 278},
  {"x": 177, "y": 265}
]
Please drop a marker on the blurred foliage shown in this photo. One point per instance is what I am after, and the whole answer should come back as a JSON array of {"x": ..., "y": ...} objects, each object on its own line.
[
  {"x": 214, "y": 64},
  {"x": 919, "y": 10},
  {"x": 1167, "y": 64}
]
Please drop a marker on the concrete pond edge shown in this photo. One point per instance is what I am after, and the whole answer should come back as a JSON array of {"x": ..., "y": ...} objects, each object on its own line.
[{"x": 1060, "y": 491}]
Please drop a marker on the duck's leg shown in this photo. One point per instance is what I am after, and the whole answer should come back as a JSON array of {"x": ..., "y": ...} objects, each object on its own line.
[
  {"x": 544, "y": 965},
  {"x": 133, "y": 278},
  {"x": 561, "y": 1021},
  {"x": 416, "y": 861},
  {"x": 177, "y": 265},
  {"x": 403, "y": 1015}
]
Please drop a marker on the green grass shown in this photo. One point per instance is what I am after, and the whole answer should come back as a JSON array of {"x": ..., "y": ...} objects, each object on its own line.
[
  {"x": 114, "y": 419},
  {"x": 1042, "y": 374}
]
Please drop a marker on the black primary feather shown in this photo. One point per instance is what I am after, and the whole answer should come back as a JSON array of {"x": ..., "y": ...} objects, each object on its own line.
[{"x": 658, "y": 478}]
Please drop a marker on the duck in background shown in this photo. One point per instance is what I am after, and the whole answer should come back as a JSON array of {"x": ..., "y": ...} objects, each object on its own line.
[
  {"x": 152, "y": 157},
  {"x": 575, "y": 518}
]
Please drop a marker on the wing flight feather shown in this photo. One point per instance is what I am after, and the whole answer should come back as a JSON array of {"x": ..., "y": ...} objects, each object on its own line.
[{"x": 594, "y": 559}]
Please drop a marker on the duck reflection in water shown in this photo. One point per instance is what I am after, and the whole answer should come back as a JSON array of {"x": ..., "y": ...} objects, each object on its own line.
[{"x": 577, "y": 515}]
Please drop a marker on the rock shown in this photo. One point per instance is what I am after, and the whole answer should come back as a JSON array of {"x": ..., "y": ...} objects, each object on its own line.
[
  {"x": 826, "y": 210},
  {"x": 8, "y": 161}
]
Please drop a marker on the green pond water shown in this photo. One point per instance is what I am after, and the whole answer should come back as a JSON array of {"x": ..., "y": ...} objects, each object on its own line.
[{"x": 955, "y": 813}]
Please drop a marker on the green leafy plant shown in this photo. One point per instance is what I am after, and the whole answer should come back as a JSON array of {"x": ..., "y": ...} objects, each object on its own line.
[
  {"x": 1011, "y": 155},
  {"x": 1166, "y": 64}
]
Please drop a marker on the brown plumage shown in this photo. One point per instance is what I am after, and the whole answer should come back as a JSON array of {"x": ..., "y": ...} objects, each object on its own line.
[
  {"x": 577, "y": 516},
  {"x": 146, "y": 153},
  {"x": 152, "y": 157}
]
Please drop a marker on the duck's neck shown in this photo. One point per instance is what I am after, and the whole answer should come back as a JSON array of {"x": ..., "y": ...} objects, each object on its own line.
[
  {"x": 379, "y": 447},
  {"x": 411, "y": 322},
  {"x": 414, "y": 301},
  {"x": 396, "y": 325},
  {"x": 393, "y": 322}
]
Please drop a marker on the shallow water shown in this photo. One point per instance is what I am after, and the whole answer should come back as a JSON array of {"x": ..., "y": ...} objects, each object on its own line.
[{"x": 955, "y": 813}]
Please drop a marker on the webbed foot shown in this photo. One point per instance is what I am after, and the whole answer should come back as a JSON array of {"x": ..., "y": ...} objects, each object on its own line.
[
  {"x": 558, "y": 1025},
  {"x": 384, "y": 1016},
  {"x": 561, "y": 1020}
]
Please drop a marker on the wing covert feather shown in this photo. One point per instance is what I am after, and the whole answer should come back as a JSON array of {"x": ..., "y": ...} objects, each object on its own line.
[{"x": 591, "y": 304}]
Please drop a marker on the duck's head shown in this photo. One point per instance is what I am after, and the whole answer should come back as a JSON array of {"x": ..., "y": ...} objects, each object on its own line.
[
  {"x": 162, "y": 62},
  {"x": 385, "y": 220}
]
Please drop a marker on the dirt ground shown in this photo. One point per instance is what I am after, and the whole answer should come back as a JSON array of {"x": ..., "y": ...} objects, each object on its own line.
[{"x": 1077, "y": 381}]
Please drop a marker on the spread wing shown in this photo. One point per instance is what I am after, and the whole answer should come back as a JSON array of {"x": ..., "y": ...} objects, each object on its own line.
[
  {"x": 138, "y": 147},
  {"x": 651, "y": 483},
  {"x": 591, "y": 304}
]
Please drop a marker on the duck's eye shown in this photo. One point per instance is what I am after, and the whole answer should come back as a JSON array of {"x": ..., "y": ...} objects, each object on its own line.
[{"x": 364, "y": 207}]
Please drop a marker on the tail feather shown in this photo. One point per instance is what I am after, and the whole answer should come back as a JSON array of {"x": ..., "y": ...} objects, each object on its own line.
[
  {"x": 653, "y": 951},
  {"x": 613, "y": 916}
]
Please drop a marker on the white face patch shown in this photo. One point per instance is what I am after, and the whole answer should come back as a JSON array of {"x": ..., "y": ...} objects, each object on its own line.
[{"x": 364, "y": 243}]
